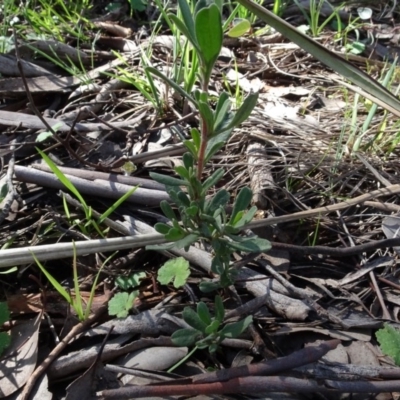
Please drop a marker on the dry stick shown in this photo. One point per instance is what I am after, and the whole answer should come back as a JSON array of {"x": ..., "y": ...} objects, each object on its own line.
[
  {"x": 33, "y": 107},
  {"x": 254, "y": 385},
  {"x": 29, "y": 94},
  {"x": 58, "y": 349},
  {"x": 231, "y": 380},
  {"x": 338, "y": 251},
  {"x": 297, "y": 359},
  {"x": 12, "y": 193},
  {"x": 393, "y": 189},
  {"x": 378, "y": 293},
  {"x": 106, "y": 176}
]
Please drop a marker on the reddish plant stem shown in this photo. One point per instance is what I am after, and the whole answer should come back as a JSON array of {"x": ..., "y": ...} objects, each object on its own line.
[
  {"x": 202, "y": 149},
  {"x": 203, "y": 140}
]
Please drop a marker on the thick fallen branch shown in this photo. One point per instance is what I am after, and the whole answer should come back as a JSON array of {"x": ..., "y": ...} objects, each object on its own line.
[
  {"x": 251, "y": 385},
  {"x": 97, "y": 188},
  {"x": 230, "y": 380}
]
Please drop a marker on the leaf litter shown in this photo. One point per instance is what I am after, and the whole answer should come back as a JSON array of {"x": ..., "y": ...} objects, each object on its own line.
[{"x": 301, "y": 129}]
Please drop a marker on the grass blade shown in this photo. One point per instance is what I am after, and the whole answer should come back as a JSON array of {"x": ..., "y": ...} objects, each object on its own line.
[{"x": 62, "y": 178}]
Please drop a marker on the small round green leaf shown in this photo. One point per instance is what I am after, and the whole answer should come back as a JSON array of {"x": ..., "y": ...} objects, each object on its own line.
[{"x": 240, "y": 27}]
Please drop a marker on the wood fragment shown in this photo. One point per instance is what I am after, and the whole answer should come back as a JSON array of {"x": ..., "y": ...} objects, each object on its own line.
[{"x": 261, "y": 179}]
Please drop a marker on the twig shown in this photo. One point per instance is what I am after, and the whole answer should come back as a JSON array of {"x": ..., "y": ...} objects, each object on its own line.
[
  {"x": 58, "y": 349},
  {"x": 230, "y": 380},
  {"x": 31, "y": 103},
  {"x": 385, "y": 311},
  {"x": 337, "y": 251},
  {"x": 12, "y": 194},
  {"x": 390, "y": 190}
]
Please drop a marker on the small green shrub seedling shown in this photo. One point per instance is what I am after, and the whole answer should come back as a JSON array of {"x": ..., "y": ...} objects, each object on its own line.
[
  {"x": 198, "y": 217},
  {"x": 207, "y": 332}
]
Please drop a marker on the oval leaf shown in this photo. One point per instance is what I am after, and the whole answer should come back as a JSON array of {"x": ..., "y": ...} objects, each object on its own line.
[
  {"x": 240, "y": 27},
  {"x": 209, "y": 35}
]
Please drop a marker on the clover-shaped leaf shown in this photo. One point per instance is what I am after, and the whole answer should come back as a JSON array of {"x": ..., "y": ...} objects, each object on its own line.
[
  {"x": 121, "y": 303},
  {"x": 175, "y": 270}
]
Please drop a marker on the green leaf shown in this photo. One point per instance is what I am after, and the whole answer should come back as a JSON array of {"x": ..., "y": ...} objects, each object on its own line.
[
  {"x": 53, "y": 281},
  {"x": 200, "y": 4},
  {"x": 192, "y": 211},
  {"x": 182, "y": 172},
  {"x": 185, "y": 337},
  {"x": 3, "y": 191},
  {"x": 167, "y": 210},
  {"x": 138, "y": 5},
  {"x": 219, "y": 200},
  {"x": 188, "y": 161},
  {"x": 245, "y": 218},
  {"x": 173, "y": 193},
  {"x": 203, "y": 312},
  {"x": 188, "y": 21},
  {"x": 235, "y": 329},
  {"x": 195, "y": 134},
  {"x": 62, "y": 178},
  {"x": 162, "y": 228},
  {"x": 121, "y": 303},
  {"x": 213, "y": 327},
  {"x": 192, "y": 318},
  {"x": 213, "y": 347},
  {"x": 175, "y": 270},
  {"x": 213, "y": 179},
  {"x": 208, "y": 27},
  {"x": 4, "y": 313},
  {"x": 183, "y": 199},
  {"x": 111, "y": 209},
  {"x": 167, "y": 180},
  {"x": 242, "y": 201},
  {"x": 222, "y": 111},
  {"x": 217, "y": 266},
  {"x": 253, "y": 245},
  {"x": 187, "y": 241},
  {"x": 175, "y": 234},
  {"x": 191, "y": 147},
  {"x": 219, "y": 309},
  {"x": 244, "y": 111},
  {"x": 207, "y": 115},
  {"x": 240, "y": 27},
  {"x": 208, "y": 287},
  {"x": 371, "y": 88},
  {"x": 45, "y": 135},
  {"x": 131, "y": 281},
  {"x": 171, "y": 83},
  {"x": 216, "y": 143},
  {"x": 389, "y": 341}
]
